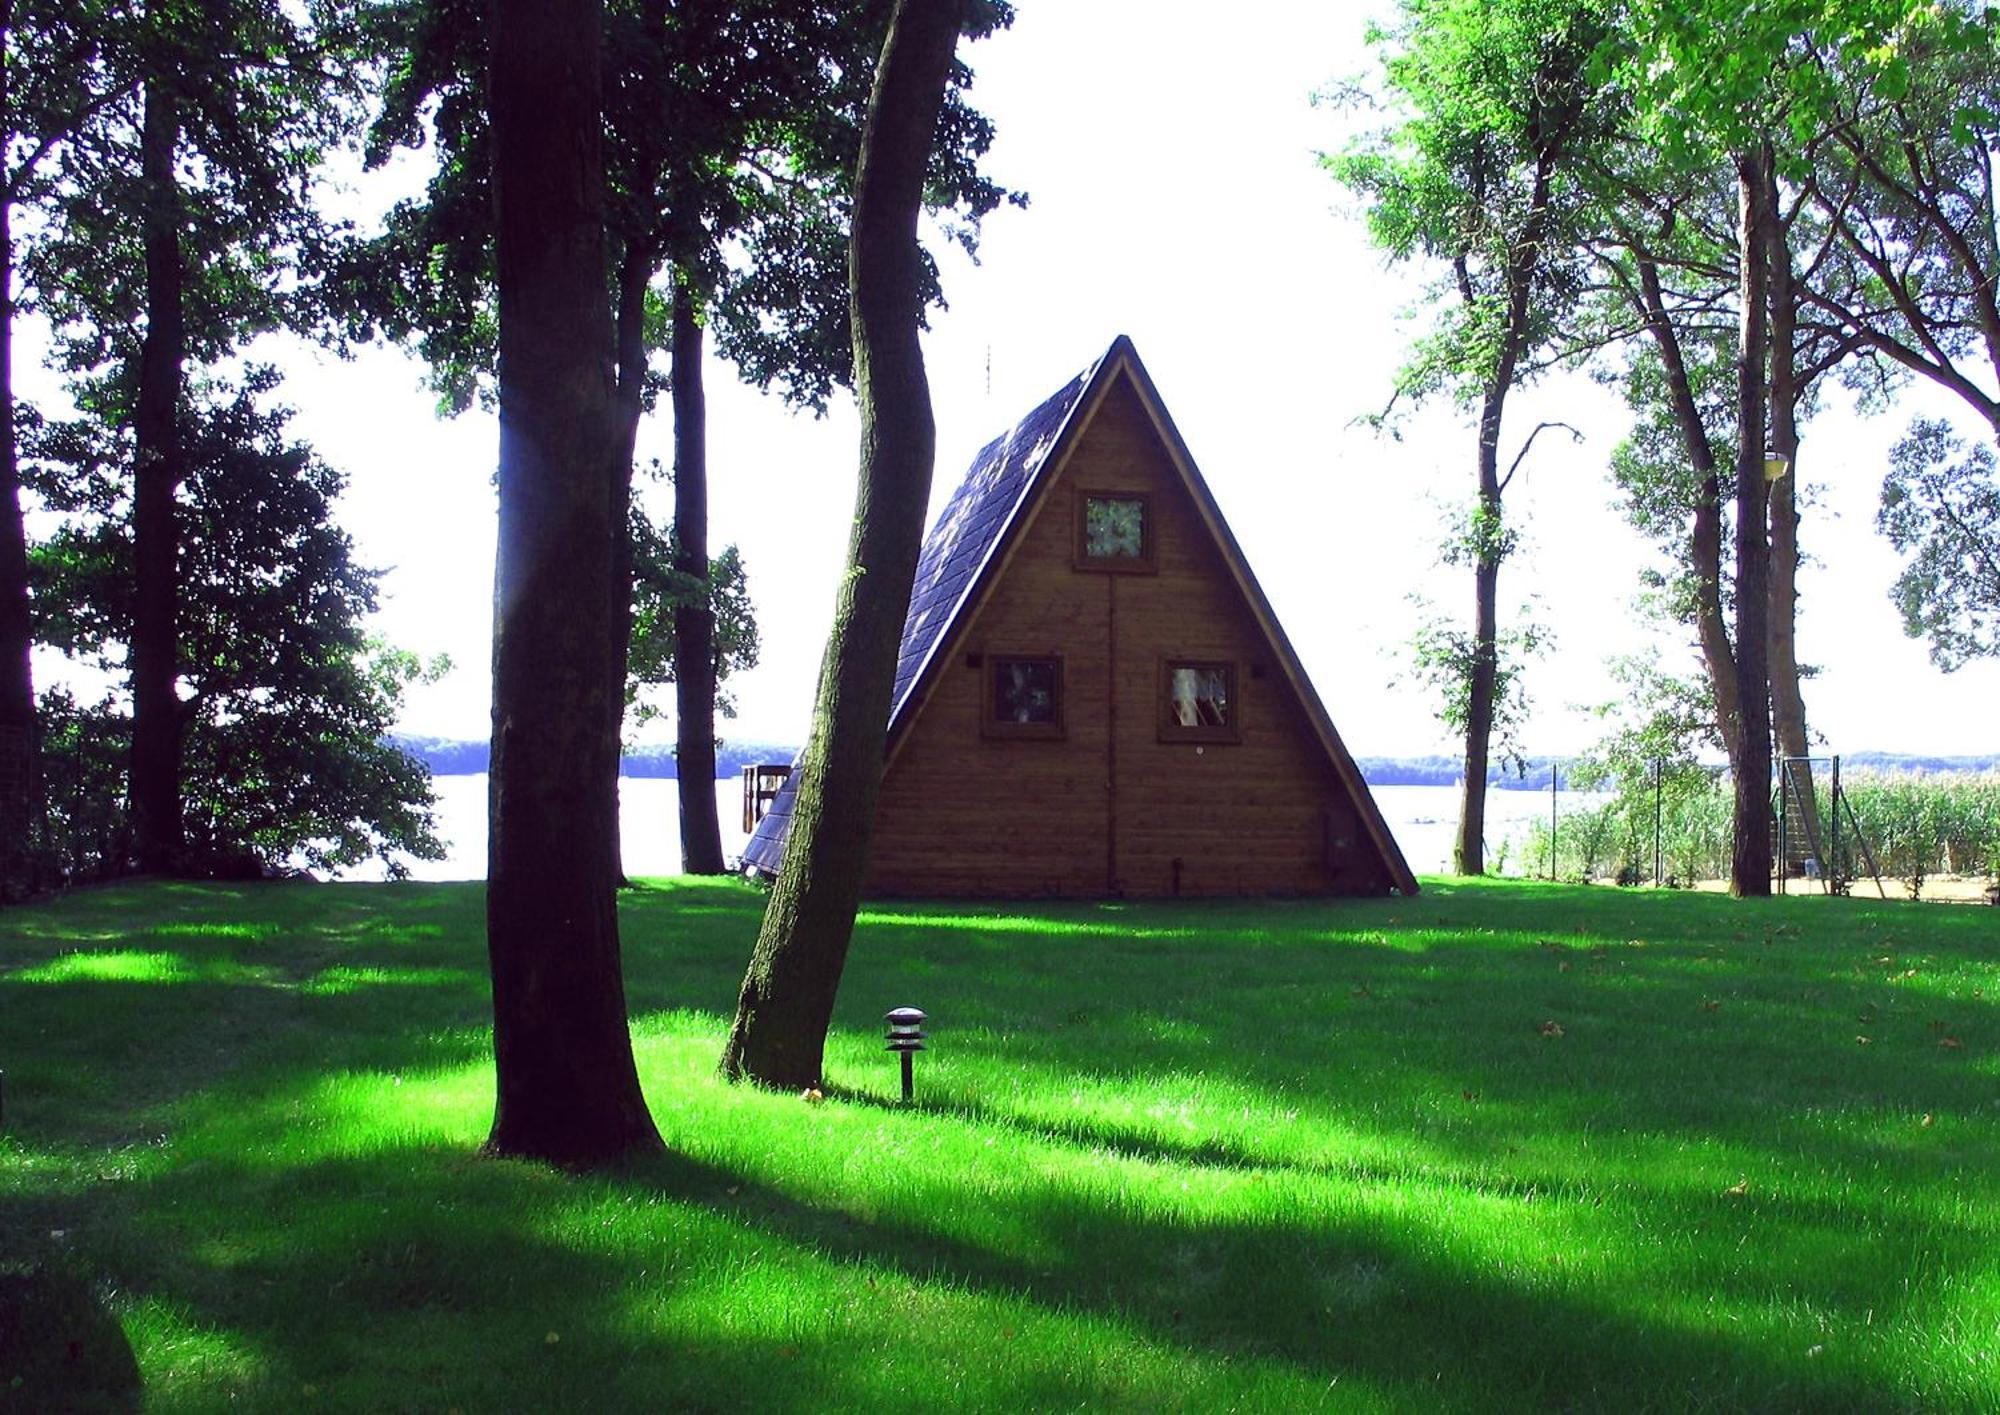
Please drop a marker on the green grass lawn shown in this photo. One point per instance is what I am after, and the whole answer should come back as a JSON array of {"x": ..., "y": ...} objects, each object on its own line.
[{"x": 1499, "y": 1145}]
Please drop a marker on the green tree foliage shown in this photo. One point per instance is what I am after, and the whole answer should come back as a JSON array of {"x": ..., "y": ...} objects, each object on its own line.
[
  {"x": 658, "y": 590},
  {"x": 173, "y": 223},
  {"x": 1941, "y": 509},
  {"x": 286, "y": 702},
  {"x": 1498, "y": 106}
]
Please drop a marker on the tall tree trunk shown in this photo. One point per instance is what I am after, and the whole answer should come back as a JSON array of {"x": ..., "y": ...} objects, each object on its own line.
[
  {"x": 157, "y": 720},
  {"x": 1750, "y": 856},
  {"x": 568, "y": 1091},
  {"x": 1482, "y": 687},
  {"x": 779, "y": 1035},
  {"x": 1469, "y": 851},
  {"x": 694, "y": 621},
  {"x": 1788, "y": 705},
  {"x": 635, "y": 273},
  {"x": 19, "y": 790},
  {"x": 1705, "y": 534}
]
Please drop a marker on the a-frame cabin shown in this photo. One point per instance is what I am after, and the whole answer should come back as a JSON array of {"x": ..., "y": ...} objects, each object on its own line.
[{"x": 1093, "y": 696}]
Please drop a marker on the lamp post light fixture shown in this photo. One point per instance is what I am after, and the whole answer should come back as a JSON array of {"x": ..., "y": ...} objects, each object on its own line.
[
  {"x": 1776, "y": 464},
  {"x": 906, "y": 1037}
]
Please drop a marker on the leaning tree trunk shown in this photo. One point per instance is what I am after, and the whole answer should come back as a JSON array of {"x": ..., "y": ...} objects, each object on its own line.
[
  {"x": 694, "y": 619},
  {"x": 1705, "y": 533},
  {"x": 568, "y": 1091},
  {"x": 1788, "y": 704},
  {"x": 18, "y": 777},
  {"x": 1750, "y": 854},
  {"x": 157, "y": 721},
  {"x": 779, "y": 1035}
]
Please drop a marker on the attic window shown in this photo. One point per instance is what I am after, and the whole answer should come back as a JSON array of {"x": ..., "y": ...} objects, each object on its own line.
[
  {"x": 1114, "y": 531},
  {"x": 1198, "y": 702},
  {"x": 1024, "y": 696}
]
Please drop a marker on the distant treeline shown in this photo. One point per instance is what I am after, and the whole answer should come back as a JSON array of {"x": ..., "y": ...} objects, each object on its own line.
[
  {"x": 446, "y": 757},
  {"x": 1445, "y": 771},
  {"x": 453, "y": 758}
]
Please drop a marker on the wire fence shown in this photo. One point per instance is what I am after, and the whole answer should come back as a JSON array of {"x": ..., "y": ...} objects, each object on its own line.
[{"x": 1674, "y": 827}]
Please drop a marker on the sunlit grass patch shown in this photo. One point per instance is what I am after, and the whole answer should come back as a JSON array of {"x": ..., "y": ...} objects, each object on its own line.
[
  {"x": 1491, "y": 1146},
  {"x": 123, "y": 966}
]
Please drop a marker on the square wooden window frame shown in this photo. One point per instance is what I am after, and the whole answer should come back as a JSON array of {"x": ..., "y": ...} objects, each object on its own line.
[
  {"x": 993, "y": 727},
  {"x": 1145, "y": 563},
  {"x": 1171, "y": 727}
]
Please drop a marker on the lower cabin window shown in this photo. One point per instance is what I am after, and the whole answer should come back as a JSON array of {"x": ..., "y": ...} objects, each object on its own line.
[
  {"x": 1198, "y": 702},
  {"x": 1024, "y": 696}
]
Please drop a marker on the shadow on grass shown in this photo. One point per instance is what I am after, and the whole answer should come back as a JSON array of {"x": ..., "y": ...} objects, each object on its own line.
[
  {"x": 361, "y": 1278},
  {"x": 1391, "y": 1014}
]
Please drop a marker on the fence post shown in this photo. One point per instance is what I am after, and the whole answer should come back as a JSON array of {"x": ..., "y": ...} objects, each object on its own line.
[
  {"x": 1555, "y": 772},
  {"x": 1658, "y": 774}
]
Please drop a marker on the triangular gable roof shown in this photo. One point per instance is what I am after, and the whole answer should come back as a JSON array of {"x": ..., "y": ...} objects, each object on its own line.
[{"x": 969, "y": 545}]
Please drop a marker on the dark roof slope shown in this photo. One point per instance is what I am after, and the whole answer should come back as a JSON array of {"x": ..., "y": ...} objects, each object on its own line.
[{"x": 974, "y": 522}]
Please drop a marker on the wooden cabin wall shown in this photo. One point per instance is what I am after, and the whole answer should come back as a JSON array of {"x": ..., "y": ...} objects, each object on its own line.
[{"x": 1110, "y": 808}]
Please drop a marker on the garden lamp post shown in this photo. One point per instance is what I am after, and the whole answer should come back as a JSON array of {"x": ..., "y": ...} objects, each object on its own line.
[{"x": 906, "y": 1038}]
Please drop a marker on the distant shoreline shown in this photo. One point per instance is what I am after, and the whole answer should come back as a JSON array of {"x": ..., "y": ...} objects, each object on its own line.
[{"x": 451, "y": 757}]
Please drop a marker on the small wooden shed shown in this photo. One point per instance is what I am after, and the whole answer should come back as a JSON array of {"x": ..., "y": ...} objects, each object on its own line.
[{"x": 1093, "y": 696}]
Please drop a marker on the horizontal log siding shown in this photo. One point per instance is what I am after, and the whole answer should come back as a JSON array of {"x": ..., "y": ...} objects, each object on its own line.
[{"x": 962, "y": 814}]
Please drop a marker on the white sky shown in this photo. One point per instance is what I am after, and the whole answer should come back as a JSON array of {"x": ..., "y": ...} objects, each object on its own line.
[{"x": 1168, "y": 149}]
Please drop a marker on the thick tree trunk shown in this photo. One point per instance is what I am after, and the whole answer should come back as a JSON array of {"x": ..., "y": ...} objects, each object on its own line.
[
  {"x": 1705, "y": 535},
  {"x": 1788, "y": 704},
  {"x": 568, "y": 1091},
  {"x": 157, "y": 720},
  {"x": 694, "y": 621},
  {"x": 19, "y": 789},
  {"x": 1750, "y": 858},
  {"x": 779, "y": 1035}
]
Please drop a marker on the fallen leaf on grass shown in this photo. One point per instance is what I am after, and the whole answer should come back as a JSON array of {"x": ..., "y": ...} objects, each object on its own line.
[
  {"x": 1738, "y": 1189},
  {"x": 1925, "y": 1123},
  {"x": 811, "y": 1095},
  {"x": 1864, "y": 1041},
  {"x": 1552, "y": 1029},
  {"x": 1949, "y": 1043}
]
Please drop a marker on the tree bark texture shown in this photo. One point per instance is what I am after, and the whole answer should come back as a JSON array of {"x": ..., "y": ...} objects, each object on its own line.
[
  {"x": 779, "y": 1034},
  {"x": 1469, "y": 851},
  {"x": 568, "y": 1091},
  {"x": 1750, "y": 856},
  {"x": 694, "y": 621},
  {"x": 1788, "y": 704},
  {"x": 157, "y": 720},
  {"x": 1705, "y": 534},
  {"x": 19, "y": 780}
]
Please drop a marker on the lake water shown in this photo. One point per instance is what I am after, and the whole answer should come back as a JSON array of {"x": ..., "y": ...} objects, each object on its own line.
[{"x": 1422, "y": 818}]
